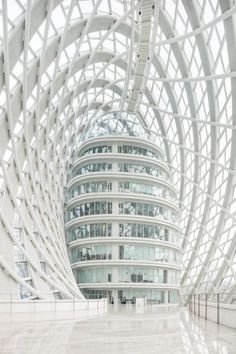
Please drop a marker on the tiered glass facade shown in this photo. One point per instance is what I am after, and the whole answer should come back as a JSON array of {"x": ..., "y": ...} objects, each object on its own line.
[{"x": 122, "y": 215}]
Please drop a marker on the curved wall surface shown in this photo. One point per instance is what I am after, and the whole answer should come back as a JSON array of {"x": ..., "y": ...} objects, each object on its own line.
[{"x": 122, "y": 221}]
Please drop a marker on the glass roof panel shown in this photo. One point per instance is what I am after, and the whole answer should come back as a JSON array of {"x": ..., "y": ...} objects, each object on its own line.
[{"x": 68, "y": 63}]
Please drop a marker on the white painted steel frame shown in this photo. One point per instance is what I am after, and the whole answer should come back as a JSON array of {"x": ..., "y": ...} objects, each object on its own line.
[{"x": 188, "y": 99}]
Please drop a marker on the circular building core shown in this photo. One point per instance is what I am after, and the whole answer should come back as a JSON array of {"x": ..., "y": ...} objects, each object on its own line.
[{"x": 122, "y": 215}]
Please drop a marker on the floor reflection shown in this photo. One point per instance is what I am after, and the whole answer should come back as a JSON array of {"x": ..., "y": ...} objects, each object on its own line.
[{"x": 125, "y": 329}]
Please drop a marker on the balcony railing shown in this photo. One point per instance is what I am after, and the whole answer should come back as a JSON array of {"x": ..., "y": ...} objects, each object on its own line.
[{"x": 218, "y": 307}]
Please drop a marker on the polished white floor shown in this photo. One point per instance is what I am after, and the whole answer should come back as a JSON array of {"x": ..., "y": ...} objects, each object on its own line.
[{"x": 125, "y": 329}]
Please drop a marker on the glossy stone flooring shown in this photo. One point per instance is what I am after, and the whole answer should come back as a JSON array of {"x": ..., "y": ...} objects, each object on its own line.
[{"x": 125, "y": 329}]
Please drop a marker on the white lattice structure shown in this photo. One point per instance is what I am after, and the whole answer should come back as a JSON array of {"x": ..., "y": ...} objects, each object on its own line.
[{"x": 173, "y": 63}]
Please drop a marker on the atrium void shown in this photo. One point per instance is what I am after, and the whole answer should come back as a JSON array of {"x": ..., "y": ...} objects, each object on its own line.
[
  {"x": 118, "y": 159},
  {"x": 65, "y": 65}
]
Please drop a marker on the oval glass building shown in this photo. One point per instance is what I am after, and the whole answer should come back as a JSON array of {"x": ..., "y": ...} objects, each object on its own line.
[{"x": 122, "y": 215}]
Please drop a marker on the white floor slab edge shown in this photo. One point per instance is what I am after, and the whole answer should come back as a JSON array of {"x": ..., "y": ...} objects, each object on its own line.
[{"x": 124, "y": 329}]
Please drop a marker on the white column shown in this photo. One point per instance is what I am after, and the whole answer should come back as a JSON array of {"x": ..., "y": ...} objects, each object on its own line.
[
  {"x": 115, "y": 149},
  {"x": 166, "y": 296}
]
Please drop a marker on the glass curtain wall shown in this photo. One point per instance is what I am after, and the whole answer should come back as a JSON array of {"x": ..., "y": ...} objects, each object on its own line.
[{"x": 122, "y": 215}]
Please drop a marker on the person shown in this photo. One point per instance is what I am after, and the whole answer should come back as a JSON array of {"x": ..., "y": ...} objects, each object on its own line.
[{"x": 123, "y": 300}]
